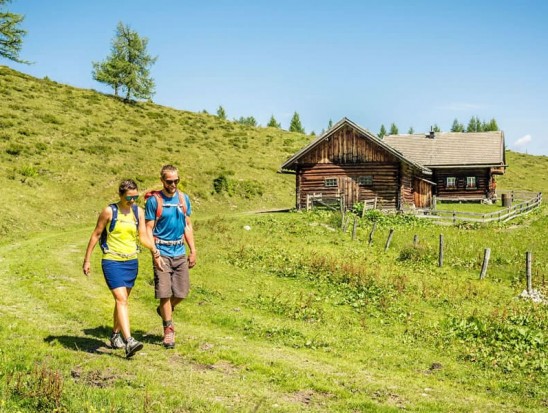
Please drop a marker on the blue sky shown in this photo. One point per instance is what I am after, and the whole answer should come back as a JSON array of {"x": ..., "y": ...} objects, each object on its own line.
[{"x": 414, "y": 63}]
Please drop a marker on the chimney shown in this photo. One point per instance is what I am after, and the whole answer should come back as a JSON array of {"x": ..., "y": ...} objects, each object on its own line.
[{"x": 431, "y": 134}]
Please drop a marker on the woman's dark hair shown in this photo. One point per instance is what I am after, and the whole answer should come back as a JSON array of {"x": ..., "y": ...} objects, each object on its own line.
[{"x": 126, "y": 185}]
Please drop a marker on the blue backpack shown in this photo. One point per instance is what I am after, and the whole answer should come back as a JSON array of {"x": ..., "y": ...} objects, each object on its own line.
[{"x": 113, "y": 221}]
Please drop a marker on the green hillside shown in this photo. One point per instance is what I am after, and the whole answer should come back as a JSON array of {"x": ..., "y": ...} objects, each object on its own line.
[
  {"x": 287, "y": 313},
  {"x": 63, "y": 151}
]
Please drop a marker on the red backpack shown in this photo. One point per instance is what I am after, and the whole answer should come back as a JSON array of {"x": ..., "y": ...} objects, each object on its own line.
[{"x": 160, "y": 202}]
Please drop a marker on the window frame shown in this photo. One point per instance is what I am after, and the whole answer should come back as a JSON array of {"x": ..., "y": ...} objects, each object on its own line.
[
  {"x": 453, "y": 185},
  {"x": 475, "y": 180},
  {"x": 328, "y": 181},
  {"x": 365, "y": 180}
]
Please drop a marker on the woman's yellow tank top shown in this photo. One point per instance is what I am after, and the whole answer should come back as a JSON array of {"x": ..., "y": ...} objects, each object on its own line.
[{"x": 122, "y": 241}]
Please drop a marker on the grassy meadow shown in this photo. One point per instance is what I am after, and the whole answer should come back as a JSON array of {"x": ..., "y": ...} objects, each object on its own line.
[{"x": 287, "y": 312}]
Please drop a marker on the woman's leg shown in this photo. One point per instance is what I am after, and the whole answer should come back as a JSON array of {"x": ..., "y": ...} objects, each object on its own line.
[{"x": 121, "y": 312}]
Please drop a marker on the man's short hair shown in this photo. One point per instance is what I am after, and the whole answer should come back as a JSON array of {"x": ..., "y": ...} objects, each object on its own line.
[{"x": 168, "y": 168}]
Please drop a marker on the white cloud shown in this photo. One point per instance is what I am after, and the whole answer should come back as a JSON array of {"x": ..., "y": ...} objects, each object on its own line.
[{"x": 523, "y": 141}]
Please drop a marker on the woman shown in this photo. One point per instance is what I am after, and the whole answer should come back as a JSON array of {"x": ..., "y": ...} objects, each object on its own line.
[{"x": 117, "y": 227}]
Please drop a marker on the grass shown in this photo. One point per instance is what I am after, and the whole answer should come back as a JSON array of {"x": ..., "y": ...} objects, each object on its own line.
[{"x": 286, "y": 313}]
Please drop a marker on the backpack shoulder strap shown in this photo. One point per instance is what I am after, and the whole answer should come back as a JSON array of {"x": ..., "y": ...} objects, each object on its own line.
[
  {"x": 135, "y": 210},
  {"x": 114, "y": 208},
  {"x": 159, "y": 203},
  {"x": 104, "y": 234},
  {"x": 182, "y": 202}
]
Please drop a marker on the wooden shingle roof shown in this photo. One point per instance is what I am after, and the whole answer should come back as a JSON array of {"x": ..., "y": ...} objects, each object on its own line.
[
  {"x": 291, "y": 163},
  {"x": 449, "y": 149}
]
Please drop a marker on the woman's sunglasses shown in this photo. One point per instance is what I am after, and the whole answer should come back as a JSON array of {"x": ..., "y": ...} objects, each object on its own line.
[{"x": 132, "y": 197}]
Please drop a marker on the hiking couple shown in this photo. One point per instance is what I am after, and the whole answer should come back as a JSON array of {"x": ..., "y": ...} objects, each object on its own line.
[{"x": 164, "y": 228}]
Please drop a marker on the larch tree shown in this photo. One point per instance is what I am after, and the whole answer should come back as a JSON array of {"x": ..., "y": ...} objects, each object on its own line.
[
  {"x": 457, "y": 126},
  {"x": 221, "y": 114},
  {"x": 382, "y": 132},
  {"x": 11, "y": 34},
  {"x": 273, "y": 123},
  {"x": 127, "y": 69},
  {"x": 295, "y": 125}
]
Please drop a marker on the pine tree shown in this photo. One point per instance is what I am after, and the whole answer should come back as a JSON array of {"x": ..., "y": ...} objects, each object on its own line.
[
  {"x": 273, "y": 123},
  {"x": 474, "y": 125},
  {"x": 382, "y": 132},
  {"x": 393, "y": 129},
  {"x": 11, "y": 35},
  {"x": 295, "y": 125},
  {"x": 457, "y": 126},
  {"x": 127, "y": 67},
  {"x": 436, "y": 128},
  {"x": 411, "y": 131},
  {"x": 490, "y": 126},
  {"x": 221, "y": 114},
  {"x": 329, "y": 124}
]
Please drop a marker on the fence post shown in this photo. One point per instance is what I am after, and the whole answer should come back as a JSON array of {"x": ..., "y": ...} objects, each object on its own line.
[
  {"x": 486, "y": 256},
  {"x": 440, "y": 259},
  {"x": 372, "y": 232},
  {"x": 528, "y": 260},
  {"x": 454, "y": 217},
  {"x": 415, "y": 240},
  {"x": 389, "y": 239},
  {"x": 354, "y": 229}
]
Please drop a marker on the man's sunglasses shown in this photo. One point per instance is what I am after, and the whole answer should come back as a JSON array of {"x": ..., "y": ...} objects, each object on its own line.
[
  {"x": 132, "y": 197},
  {"x": 171, "y": 181}
]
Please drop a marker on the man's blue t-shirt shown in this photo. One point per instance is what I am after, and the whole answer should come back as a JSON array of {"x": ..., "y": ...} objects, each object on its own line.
[{"x": 171, "y": 225}]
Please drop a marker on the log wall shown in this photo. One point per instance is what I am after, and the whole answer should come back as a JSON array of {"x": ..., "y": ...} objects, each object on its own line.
[
  {"x": 483, "y": 179},
  {"x": 385, "y": 186}
]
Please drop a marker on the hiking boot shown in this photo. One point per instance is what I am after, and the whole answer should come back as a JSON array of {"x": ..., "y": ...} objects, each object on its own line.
[
  {"x": 169, "y": 337},
  {"x": 132, "y": 347},
  {"x": 116, "y": 341}
]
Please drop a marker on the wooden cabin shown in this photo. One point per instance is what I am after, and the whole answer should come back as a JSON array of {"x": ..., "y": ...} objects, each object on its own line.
[
  {"x": 463, "y": 165},
  {"x": 350, "y": 163}
]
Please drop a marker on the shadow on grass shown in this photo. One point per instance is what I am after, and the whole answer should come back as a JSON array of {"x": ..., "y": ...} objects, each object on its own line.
[
  {"x": 99, "y": 343},
  {"x": 89, "y": 345},
  {"x": 104, "y": 332}
]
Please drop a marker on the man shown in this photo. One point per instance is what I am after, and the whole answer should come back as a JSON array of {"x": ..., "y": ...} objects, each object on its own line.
[{"x": 167, "y": 216}]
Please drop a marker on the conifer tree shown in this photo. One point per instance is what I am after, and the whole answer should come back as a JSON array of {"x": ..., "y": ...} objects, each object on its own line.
[
  {"x": 329, "y": 124},
  {"x": 490, "y": 126},
  {"x": 295, "y": 125},
  {"x": 457, "y": 126},
  {"x": 11, "y": 34},
  {"x": 393, "y": 129},
  {"x": 474, "y": 125},
  {"x": 382, "y": 132},
  {"x": 221, "y": 114},
  {"x": 127, "y": 67},
  {"x": 273, "y": 123},
  {"x": 436, "y": 128}
]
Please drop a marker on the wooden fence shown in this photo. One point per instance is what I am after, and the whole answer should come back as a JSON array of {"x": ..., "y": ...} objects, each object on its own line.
[{"x": 533, "y": 201}]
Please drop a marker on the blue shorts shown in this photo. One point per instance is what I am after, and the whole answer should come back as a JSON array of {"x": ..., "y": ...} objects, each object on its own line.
[{"x": 120, "y": 273}]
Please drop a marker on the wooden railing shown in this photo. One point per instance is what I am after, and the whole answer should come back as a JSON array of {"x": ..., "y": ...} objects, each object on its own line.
[{"x": 501, "y": 215}]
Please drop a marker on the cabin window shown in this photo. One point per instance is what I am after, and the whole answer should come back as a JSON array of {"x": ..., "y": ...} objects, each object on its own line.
[
  {"x": 330, "y": 182},
  {"x": 365, "y": 180},
  {"x": 471, "y": 182},
  {"x": 451, "y": 182}
]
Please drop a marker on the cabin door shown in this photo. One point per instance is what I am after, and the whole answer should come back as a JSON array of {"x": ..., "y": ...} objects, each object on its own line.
[
  {"x": 422, "y": 193},
  {"x": 351, "y": 191}
]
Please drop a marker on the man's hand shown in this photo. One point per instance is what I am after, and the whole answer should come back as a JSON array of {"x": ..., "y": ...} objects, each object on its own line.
[{"x": 192, "y": 259}]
